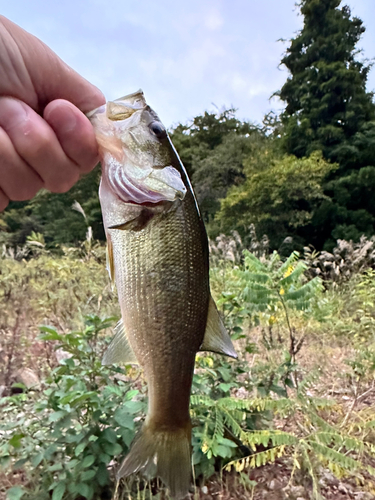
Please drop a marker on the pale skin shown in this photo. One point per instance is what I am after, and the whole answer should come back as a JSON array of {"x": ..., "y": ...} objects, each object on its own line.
[{"x": 46, "y": 141}]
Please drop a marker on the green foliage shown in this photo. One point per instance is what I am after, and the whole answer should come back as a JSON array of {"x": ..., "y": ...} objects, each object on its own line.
[
  {"x": 218, "y": 426},
  {"x": 221, "y": 169},
  {"x": 326, "y": 98},
  {"x": 279, "y": 196},
  {"x": 273, "y": 293},
  {"x": 65, "y": 437},
  {"x": 271, "y": 289},
  {"x": 230, "y": 421},
  {"x": 317, "y": 442},
  {"x": 197, "y": 139},
  {"x": 348, "y": 212},
  {"x": 267, "y": 293},
  {"x": 329, "y": 110},
  {"x": 213, "y": 148}
]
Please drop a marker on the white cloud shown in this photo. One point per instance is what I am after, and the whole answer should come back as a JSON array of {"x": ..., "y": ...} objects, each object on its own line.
[{"x": 214, "y": 20}]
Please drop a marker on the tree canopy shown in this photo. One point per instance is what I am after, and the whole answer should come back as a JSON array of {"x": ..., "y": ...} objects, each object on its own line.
[
  {"x": 280, "y": 198},
  {"x": 325, "y": 94}
]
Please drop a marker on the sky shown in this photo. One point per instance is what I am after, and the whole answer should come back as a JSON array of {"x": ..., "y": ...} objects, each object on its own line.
[{"x": 187, "y": 56}]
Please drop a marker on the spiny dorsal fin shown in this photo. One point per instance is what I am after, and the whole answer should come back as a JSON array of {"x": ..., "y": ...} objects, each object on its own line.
[
  {"x": 119, "y": 350},
  {"x": 216, "y": 337}
]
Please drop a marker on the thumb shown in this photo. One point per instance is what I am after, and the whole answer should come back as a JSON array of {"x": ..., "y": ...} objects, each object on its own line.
[{"x": 41, "y": 75}]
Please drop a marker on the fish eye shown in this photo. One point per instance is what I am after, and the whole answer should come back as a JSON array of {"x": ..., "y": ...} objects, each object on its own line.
[{"x": 158, "y": 129}]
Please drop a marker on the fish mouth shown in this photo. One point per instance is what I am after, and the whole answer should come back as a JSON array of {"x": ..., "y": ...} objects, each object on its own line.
[{"x": 121, "y": 108}]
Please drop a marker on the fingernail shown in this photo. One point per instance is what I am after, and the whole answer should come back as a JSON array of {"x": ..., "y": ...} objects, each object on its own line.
[{"x": 67, "y": 119}]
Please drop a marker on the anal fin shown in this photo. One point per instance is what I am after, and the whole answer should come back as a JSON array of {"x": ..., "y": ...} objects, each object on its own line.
[
  {"x": 119, "y": 350},
  {"x": 216, "y": 337}
]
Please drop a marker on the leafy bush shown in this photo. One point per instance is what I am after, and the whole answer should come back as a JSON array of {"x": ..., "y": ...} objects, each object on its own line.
[
  {"x": 266, "y": 291},
  {"x": 66, "y": 437},
  {"x": 279, "y": 195}
]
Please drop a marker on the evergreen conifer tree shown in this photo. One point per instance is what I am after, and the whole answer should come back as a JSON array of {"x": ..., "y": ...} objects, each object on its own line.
[
  {"x": 325, "y": 95},
  {"x": 329, "y": 109}
]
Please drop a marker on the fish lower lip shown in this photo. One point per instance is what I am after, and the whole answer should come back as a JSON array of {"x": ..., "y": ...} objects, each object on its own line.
[{"x": 148, "y": 204}]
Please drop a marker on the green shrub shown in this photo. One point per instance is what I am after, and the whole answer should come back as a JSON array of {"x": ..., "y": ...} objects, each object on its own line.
[{"x": 66, "y": 436}]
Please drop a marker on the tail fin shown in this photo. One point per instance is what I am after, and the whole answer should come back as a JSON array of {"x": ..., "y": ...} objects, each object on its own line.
[{"x": 163, "y": 453}]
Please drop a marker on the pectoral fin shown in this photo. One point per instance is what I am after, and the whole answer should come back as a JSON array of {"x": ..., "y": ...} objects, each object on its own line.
[
  {"x": 138, "y": 223},
  {"x": 119, "y": 350},
  {"x": 216, "y": 337}
]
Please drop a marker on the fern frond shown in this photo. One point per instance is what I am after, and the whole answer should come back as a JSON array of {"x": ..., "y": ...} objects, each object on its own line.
[
  {"x": 338, "y": 440},
  {"x": 327, "y": 455},
  {"x": 259, "y": 287},
  {"x": 293, "y": 277},
  {"x": 257, "y": 459},
  {"x": 321, "y": 423},
  {"x": 276, "y": 437},
  {"x": 232, "y": 423},
  {"x": 219, "y": 425},
  {"x": 252, "y": 263},
  {"x": 258, "y": 404},
  {"x": 200, "y": 400},
  {"x": 256, "y": 277},
  {"x": 305, "y": 291},
  {"x": 293, "y": 257},
  {"x": 255, "y": 293}
]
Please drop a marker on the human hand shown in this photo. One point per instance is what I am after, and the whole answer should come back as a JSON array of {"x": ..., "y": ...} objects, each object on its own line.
[{"x": 45, "y": 138}]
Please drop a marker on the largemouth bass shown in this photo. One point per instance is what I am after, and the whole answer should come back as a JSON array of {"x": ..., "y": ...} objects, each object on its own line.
[{"x": 158, "y": 257}]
